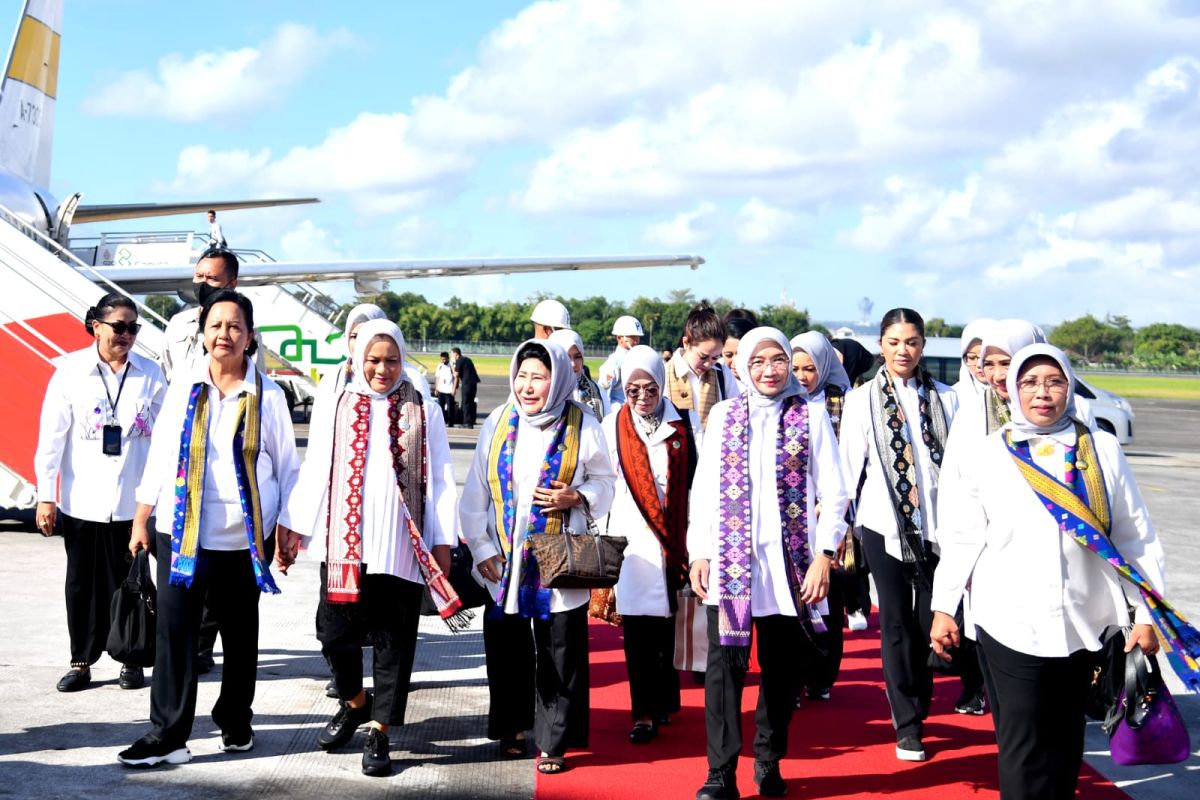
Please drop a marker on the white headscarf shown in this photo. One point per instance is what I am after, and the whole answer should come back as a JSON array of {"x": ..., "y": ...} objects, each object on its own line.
[
  {"x": 824, "y": 357},
  {"x": 1019, "y": 422},
  {"x": 369, "y": 330},
  {"x": 360, "y": 313},
  {"x": 650, "y": 362},
  {"x": 975, "y": 331},
  {"x": 566, "y": 339},
  {"x": 746, "y": 347},
  {"x": 1010, "y": 335},
  {"x": 562, "y": 383}
]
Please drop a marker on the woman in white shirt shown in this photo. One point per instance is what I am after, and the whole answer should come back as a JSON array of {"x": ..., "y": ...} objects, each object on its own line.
[
  {"x": 221, "y": 465},
  {"x": 1039, "y": 600},
  {"x": 541, "y": 465},
  {"x": 971, "y": 380},
  {"x": 893, "y": 433},
  {"x": 97, "y": 417},
  {"x": 760, "y": 556},
  {"x": 587, "y": 392},
  {"x": 383, "y": 459},
  {"x": 654, "y": 454}
]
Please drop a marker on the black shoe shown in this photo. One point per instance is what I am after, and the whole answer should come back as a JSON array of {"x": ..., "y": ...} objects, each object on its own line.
[
  {"x": 721, "y": 784},
  {"x": 910, "y": 748},
  {"x": 331, "y": 690},
  {"x": 149, "y": 751},
  {"x": 663, "y": 720},
  {"x": 343, "y": 725},
  {"x": 767, "y": 778},
  {"x": 377, "y": 760},
  {"x": 75, "y": 680},
  {"x": 642, "y": 733},
  {"x": 238, "y": 742},
  {"x": 131, "y": 677},
  {"x": 971, "y": 702},
  {"x": 205, "y": 664},
  {"x": 818, "y": 693}
]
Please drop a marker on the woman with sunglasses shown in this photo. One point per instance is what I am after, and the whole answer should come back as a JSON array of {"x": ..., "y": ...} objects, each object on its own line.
[
  {"x": 93, "y": 441},
  {"x": 696, "y": 379}
]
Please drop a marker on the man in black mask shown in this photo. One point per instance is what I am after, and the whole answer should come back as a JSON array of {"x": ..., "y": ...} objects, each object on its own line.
[{"x": 217, "y": 269}]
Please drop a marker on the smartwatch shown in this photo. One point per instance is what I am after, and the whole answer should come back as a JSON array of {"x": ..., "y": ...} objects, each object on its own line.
[{"x": 830, "y": 554}]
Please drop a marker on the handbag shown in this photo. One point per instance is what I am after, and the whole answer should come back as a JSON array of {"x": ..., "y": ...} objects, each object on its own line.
[
  {"x": 570, "y": 560},
  {"x": 603, "y": 606},
  {"x": 468, "y": 589},
  {"x": 1147, "y": 728},
  {"x": 952, "y": 665},
  {"x": 691, "y": 633},
  {"x": 132, "y": 617},
  {"x": 1108, "y": 675}
]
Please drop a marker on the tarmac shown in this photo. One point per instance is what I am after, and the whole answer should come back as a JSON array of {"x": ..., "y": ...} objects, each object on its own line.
[{"x": 64, "y": 745}]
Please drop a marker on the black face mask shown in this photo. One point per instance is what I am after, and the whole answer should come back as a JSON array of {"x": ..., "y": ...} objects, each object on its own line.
[{"x": 204, "y": 292}]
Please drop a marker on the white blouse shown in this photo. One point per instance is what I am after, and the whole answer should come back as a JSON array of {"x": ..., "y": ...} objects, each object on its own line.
[
  {"x": 642, "y": 588},
  {"x": 386, "y": 549},
  {"x": 222, "y": 526},
  {"x": 1034, "y": 589},
  {"x": 770, "y": 592},
  {"x": 858, "y": 452},
  {"x": 76, "y": 407},
  {"x": 594, "y": 478}
]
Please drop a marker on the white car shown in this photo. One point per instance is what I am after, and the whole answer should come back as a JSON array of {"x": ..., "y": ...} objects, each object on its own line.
[{"x": 942, "y": 358}]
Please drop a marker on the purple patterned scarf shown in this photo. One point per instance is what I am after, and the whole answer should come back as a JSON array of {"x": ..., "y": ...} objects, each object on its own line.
[{"x": 734, "y": 559}]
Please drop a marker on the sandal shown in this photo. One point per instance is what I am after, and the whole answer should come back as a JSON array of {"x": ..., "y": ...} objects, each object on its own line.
[
  {"x": 551, "y": 765},
  {"x": 513, "y": 748},
  {"x": 642, "y": 732}
]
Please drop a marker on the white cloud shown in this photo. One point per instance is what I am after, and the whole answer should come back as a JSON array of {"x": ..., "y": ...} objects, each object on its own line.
[
  {"x": 685, "y": 229},
  {"x": 759, "y": 223},
  {"x": 213, "y": 85},
  {"x": 310, "y": 242}
]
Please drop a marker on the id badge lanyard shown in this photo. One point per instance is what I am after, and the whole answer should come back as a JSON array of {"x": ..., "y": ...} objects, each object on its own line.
[{"x": 111, "y": 442}]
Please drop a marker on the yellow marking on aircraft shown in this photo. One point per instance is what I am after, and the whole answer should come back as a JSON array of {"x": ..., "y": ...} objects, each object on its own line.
[{"x": 35, "y": 56}]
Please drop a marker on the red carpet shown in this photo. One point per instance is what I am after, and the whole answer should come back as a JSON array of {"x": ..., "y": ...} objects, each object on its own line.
[{"x": 841, "y": 748}]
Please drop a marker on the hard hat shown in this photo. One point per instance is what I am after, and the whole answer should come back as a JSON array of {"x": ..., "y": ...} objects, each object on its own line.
[
  {"x": 627, "y": 326},
  {"x": 551, "y": 313}
]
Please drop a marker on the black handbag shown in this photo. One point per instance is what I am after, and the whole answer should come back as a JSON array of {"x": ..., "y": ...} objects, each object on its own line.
[
  {"x": 951, "y": 665},
  {"x": 571, "y": 560},
  {"x": 132, "y": 616},
  {"x": 1108, "y": 674},
  {"x": 468, "y": 589}
]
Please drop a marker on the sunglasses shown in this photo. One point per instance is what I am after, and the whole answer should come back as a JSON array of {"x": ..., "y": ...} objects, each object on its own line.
[{"x": 121, "y": 327}]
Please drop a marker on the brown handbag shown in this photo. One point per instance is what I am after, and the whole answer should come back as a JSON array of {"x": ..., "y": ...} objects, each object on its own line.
[
  {"x": 603, "y": 606},
  {"x": 579, "y": 560}
]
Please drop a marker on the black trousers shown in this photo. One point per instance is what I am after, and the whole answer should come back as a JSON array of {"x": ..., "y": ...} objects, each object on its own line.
[
  {"x": 904, "y": 622},
  {"x": 822, "y": 668},
  {"x": 97, "y": 563},
  {"x": 779, "y": 654},
  {"x": 538, "y": 677},
  {"x": 446, "y": 401},
  {"x": 650, "y": 660},
  {"x": 386, "y": 615},
  {"x": 468, "y": 404},
  {"x": 226, "y": 578},
  {"x": 1038, "y": 706},
  {"x": 856, "y": 589}
]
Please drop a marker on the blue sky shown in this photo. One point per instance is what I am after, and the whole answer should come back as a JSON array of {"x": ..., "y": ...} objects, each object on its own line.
[{"x": 1002, "y": 159}]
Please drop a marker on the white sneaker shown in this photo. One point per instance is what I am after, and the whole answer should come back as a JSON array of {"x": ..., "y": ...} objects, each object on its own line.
[{"x": 858, "y": 622}]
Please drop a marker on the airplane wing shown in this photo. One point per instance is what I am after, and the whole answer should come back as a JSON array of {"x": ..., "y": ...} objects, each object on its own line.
[
  {"x": 106, "y": 213},
  {"x": 165, "y": 279}
]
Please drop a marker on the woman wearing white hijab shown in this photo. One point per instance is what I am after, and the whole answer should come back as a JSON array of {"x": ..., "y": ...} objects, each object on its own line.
[
  {"x": 541, "y": 465},
  {"x": 760, "y": 556},
  {"x": 587, "y": 392},
  {"x": 1040, "y": 600},
  {"x": 652, "y": 449},
  {"x": 382, "y": 460},
  {"x": 971, "y": 380}
]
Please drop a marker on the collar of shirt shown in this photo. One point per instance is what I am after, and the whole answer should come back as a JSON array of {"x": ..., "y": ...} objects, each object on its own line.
[
  {"x": 201, "y": 374},
  {"x": 682, "y": 370},
  {"x": 1064, "y": 437}
]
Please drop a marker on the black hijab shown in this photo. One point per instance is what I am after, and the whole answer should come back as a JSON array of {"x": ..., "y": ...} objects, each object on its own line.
[{"x": 855, "y": 358}]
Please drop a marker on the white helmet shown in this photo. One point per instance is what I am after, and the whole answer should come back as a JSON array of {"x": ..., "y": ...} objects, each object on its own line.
[
  {"x": 551, "y": 313},
  {"x": 627, "y": 326}
]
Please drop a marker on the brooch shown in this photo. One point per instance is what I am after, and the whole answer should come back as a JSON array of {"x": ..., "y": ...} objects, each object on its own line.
[{"x": 675, "y": 445}]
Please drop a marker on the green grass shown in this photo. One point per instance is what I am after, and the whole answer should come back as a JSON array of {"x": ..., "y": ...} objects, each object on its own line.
[
  {"x": 1152, "y": 387},
  {"x": 494, "y": 366}
]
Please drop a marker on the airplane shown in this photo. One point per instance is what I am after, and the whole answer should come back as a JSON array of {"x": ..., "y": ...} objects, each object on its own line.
[{"x": 47, "y": 288}]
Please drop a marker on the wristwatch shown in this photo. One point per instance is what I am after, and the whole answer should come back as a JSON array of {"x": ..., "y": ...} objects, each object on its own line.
[{"x": 830, "y": 554}]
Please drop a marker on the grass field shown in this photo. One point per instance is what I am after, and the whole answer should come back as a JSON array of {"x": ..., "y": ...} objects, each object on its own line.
[
  {"x": 494, "y": 366},
  {"x": 1154, "y": 387}
]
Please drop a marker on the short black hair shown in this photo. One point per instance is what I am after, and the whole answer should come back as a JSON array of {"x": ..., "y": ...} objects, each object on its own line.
[
  {"x": 738, "y": 327},
  {"x": 212, "y": 211},
  {"x": 534, "y": 350},
  {"x": 243, "y": 302},
  {"x": 901, "y": 316},
  {"x": 444, "y": 355},
  {"x": 226, "y": 256},
  {"x": 110, "y": 302},
  {"x": 456, "y": 351}
]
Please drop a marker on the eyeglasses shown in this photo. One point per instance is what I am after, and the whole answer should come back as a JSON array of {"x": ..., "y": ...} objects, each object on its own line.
[
  {"x": 777, "y": 363},
  {"x": 121, "y": 327},
  {"x": 1052, "y": 385},
  {"x": 634, "y": 392}
]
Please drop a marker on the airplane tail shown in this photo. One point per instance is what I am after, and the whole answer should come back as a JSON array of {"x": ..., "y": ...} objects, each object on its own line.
[{"x": 28, "y": 92}]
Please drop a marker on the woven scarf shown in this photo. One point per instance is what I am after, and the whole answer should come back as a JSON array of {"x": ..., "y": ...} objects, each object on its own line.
[
  {"x": 189, "y": 483},
  {"x": 835, "y": 400},
  {"x": 734, "y": 555},
  {"x": 894, "y": 445},
  {"x": 1080, "y": 506},
  {"x": 996, "y": 409},
  {"x": 667, "y": 517},
  {"x": 679, "y": 389},
  {"x": 589, "y": 395},
  {"x": 559, "y": 463}
]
